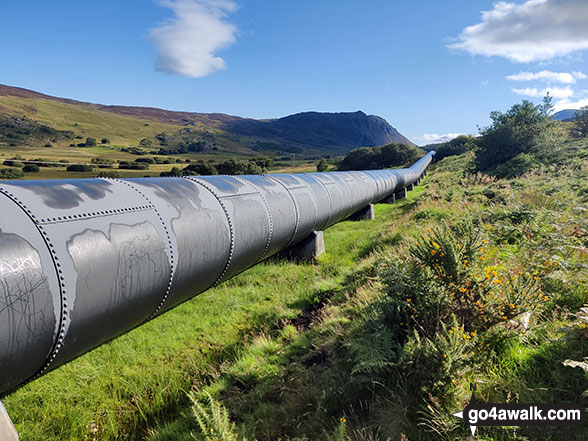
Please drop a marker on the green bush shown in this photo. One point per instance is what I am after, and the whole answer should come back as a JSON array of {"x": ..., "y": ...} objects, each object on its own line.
[
  {"x": 322, "y": 165},
  {"x": 387, "y": 156},
  {"x": 200, "y": 168},
  {"x": 31, "y": 168},
  {"x": 175, "y": 171},
  {"x": 456, "y": 146},
  {"x": 80, "y": 168},
  {"x": 8, "y": 173},
  {"x": 11, "y": 163},
  {"x": 524, "y": 128},
  {"x": 133, "y": 165}
]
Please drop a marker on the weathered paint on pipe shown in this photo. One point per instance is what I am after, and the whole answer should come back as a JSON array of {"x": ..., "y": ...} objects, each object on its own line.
[{"x": 83, "y": 261}]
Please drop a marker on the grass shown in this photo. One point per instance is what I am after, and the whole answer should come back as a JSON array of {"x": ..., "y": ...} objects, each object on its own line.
[{"x": 124, "y": 388}]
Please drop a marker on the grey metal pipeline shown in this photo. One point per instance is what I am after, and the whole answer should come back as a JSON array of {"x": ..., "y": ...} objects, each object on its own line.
[{"x": 84, "y": 260}]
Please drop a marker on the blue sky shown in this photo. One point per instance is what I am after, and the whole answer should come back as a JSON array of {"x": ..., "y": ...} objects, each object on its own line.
[{"x": 432, "y": 68}]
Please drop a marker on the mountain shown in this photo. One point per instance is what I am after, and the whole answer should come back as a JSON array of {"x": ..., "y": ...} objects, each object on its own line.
[
  {"x": 565, "y": 115},
  {"x": 308, "y": 133},
  {"x": 336, "y": 131}
]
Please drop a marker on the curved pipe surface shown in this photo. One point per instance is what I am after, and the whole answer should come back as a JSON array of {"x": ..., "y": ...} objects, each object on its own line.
[{"x": 85, "y": 260}]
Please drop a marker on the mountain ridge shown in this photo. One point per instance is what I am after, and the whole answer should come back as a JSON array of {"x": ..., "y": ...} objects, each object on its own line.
[{"x": 324, "y": 132}]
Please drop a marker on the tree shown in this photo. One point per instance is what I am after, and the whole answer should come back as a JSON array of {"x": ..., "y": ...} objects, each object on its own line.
[
  {"x": 457, "y": 146},
  {"x": 105, "y": 141},
  {"x": 522, "y": 129},
  {"x": 387, "y": 156},
  {"x": 90, "y": 142},
  {"x": 322, "y": 165},
  {"x": 581, "y": 122},
  {"x": 31, "y": 168},
  {"x": 546, "y": 106}
]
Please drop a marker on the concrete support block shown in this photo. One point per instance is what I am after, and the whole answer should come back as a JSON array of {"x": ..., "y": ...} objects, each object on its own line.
[
  {"x": 401, "y": 194},
  {"x": 389, "y": 200},
  {"x": 7, "y": 430},
  {"x": 309, "y": 249},
  {"x": 366, "y": 213},
  {"x": 410, "y": 187}
]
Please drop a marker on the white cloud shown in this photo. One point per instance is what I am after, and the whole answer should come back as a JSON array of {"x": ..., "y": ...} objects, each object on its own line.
[
  {"x": 434, "y": 138},
  {"x": 187, "y": 43},
  {"x": 533, "y": 31},
  {"x": 565, "y": 103},
  {"x": 556, "y": 92},
  {"x": 548, "y": 76}
]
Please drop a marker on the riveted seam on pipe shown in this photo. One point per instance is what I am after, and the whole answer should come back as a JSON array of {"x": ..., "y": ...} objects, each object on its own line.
[
  {"x": 269, "y": 217},
  {"x": 231, "y": 228},
  {"x": 60, "y": 279},
  {"x": 94, "y": 214},
  {"x": 297, "y": 213},
  {"x": 330, "y": 215},
  {"x": 171, "y": 249}
]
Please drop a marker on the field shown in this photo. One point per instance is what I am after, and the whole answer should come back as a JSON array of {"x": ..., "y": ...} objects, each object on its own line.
[{"x": 470, "y": 280}]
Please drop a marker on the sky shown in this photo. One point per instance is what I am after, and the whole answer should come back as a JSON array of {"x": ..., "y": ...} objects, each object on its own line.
[{"x": 433, "y": 69}]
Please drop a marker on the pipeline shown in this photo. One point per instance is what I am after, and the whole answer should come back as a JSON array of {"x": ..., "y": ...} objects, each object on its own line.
[{"x": 84, "y": 260}]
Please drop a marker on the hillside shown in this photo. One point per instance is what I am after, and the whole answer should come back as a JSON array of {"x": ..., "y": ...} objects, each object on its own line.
[{"x": 309, "y": 133}]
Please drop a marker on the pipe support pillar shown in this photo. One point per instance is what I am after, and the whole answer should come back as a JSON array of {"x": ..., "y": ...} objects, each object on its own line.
[{"x": 7, "y": 430}]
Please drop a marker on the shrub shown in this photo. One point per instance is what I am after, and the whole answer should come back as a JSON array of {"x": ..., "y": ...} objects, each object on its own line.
[
  {"x": 8, "y": 173},
  {"x": 80, "y": 168},
  {"x": 133, "y": 165},
  {"x": 146, "y": 160},
  {"x": 322, "y": 165},
  {"x": 90, "y": 142},
  {"x": 479, "y": 293},
  {"x": 105, "y": 141},
  {"x": 11, "y": 163},
  {"x": 175, "y": 171},
  {"x": 31, "y": 168},
  {"x": 522, "y": 129},
  {"x": 102, "y": 162}
]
